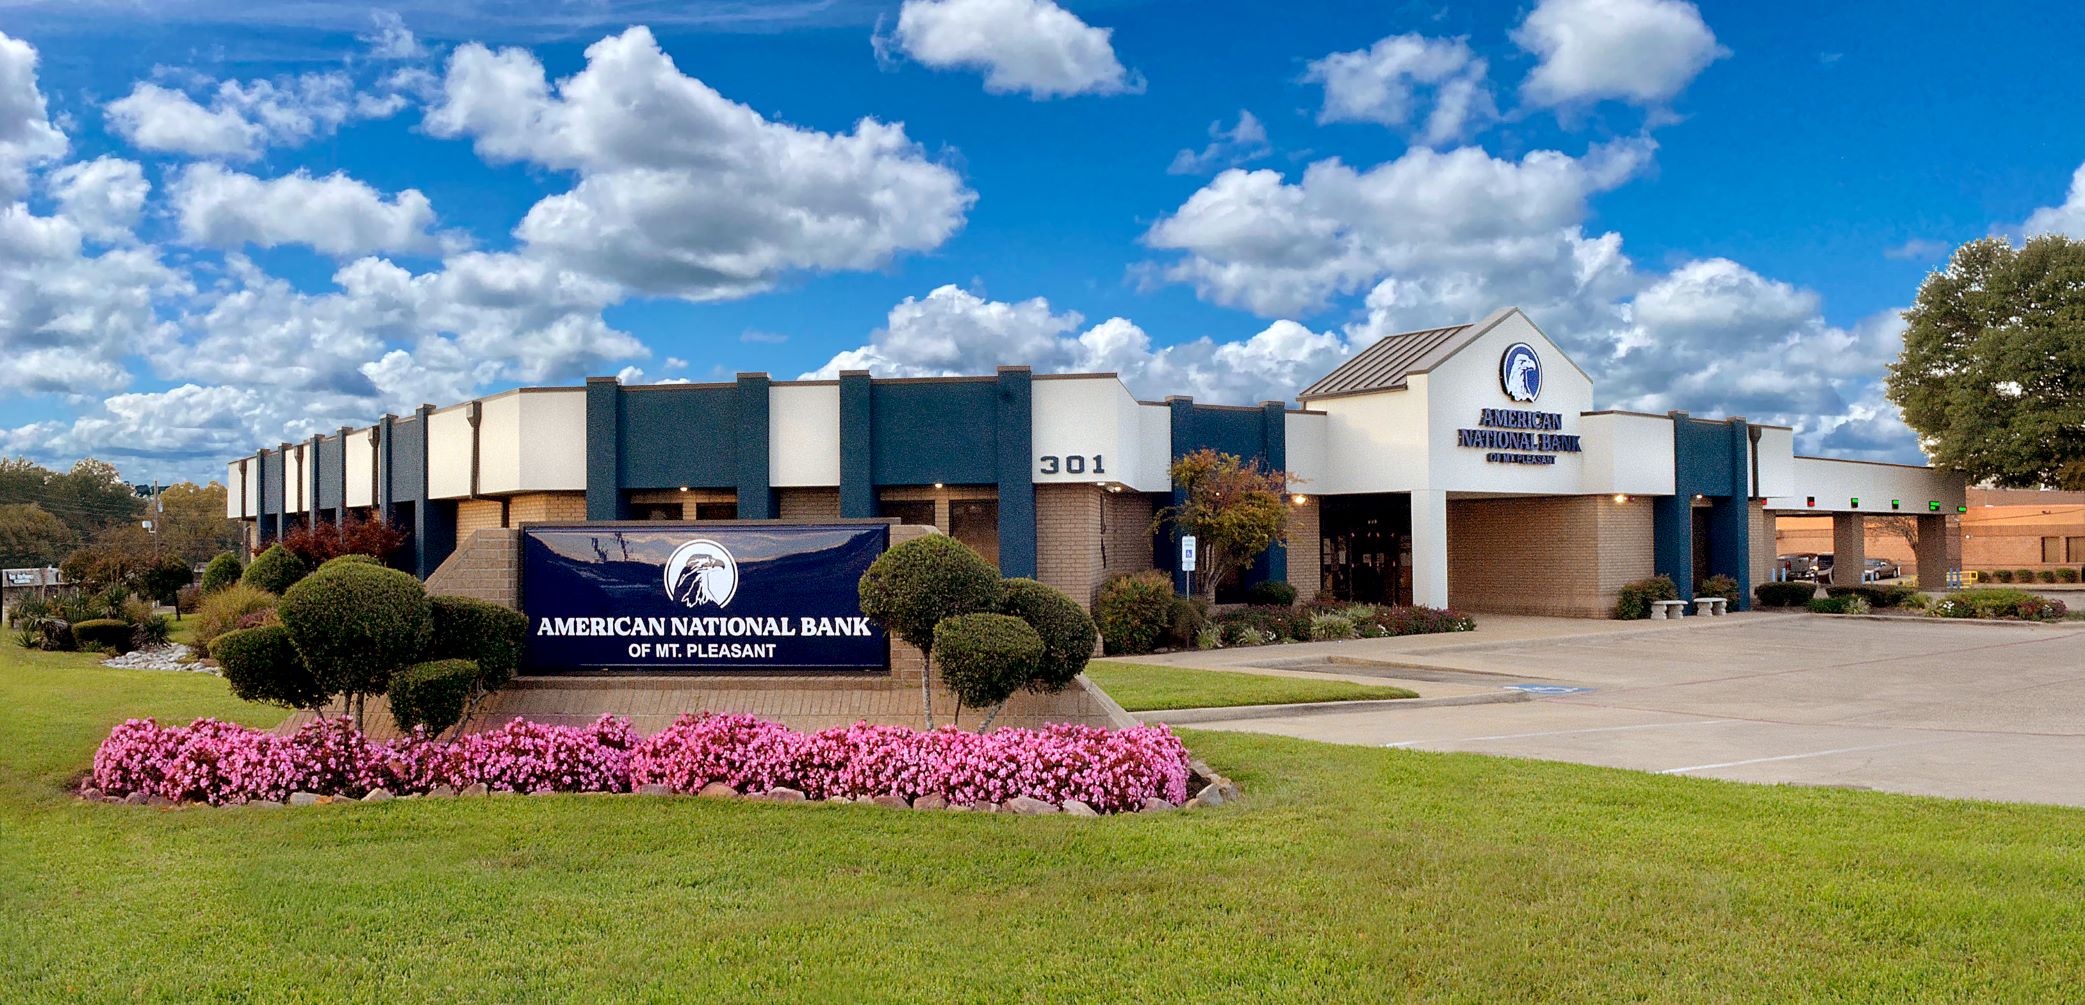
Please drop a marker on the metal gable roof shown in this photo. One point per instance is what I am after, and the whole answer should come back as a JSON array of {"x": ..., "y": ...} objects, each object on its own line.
[{"x": 1385, "y": 365}]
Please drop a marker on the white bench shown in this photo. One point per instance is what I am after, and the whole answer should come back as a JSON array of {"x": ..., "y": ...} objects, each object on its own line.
[
  {"x": 1662, "y": 610},
  {"x": 1710, "y": 605}
]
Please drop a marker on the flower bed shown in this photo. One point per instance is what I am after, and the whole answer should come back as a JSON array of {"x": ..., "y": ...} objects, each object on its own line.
[{"x": 221, "y": 763}]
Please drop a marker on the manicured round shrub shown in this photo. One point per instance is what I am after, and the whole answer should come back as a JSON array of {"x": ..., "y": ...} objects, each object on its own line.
[
  {"x": 2000, "y": 575},
  {"x": 985, "y": 658},
  {"x": 432, "y": 694},
  {"x": 276, "y": 570},
  {"x": 223, "y": 571},
  {"x": 1134, "y": 612},
  {"x": 483, "y": 632},
  {"x": 1794, "y": 593},
  {"x": 1271, "y": 591},
  {"x": 2045, "y": 575},
  {"x": 1634, "y": 601},
  {"x": 1718, "y": 585},
  {"x": 2067, "y": 574},
  {"x": 918, "y": 584},
  {"x": 262, "y": 665},
  {"x": 1067, "y": 633},
  {"x": 357, "y": 624},
  {"x": 224, "y": 611},
  {"x": 103, "y": 633},
  {"x": 349, "y": 560},
  {"x": 2023, "y": 575},
  {"x": 1184, "y": 621}
]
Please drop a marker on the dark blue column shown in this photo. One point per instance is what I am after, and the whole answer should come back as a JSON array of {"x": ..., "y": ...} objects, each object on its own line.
[
  {"x": 1182, "y": 409},
  {"x": 384, "y": 497},
  {"x": 340, "y": 469},
  {"x": 857, "y": 446},
  {"x": 311, "y": 481},
  {"x": 1274, "y": 452},
  {"x": 270, "y": 521},
  {"x": 1730, "y": 533},
  {"x": 1672, "y": 539},
  {"x": 434, "y": 530},
  {"x": 1014, "y": 441},
  {"x": 756, "y": 497},
  {"x": 604, "y": 444}
]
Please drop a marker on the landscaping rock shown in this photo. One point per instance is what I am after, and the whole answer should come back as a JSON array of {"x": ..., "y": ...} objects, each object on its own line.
[
  {"x": 1153, "y": 804},
  {"x": 474, "y": 789},
  {"x": 442, "y": 791},
  {"x": 158, "y": 801},
  {"x": 1027, "y": 806},
  {"x": 135, "y": 799},
  {"x": 891, "y": 801},
  {"x": 1079, "y": 808},
  {"x": 1209, "y": 796},
  {"x": 718, "y": 790},
  {"x": 654, "y": 789},
  {"x": 92, "y": 793},
  {"x": 986, "y": 808},
  {"x": 304, "y": 799},
  {"x": 931, "y": 801},
  {"x": 378, "y": 795},
  {"x": 782, "y": 795},
  {"x": 167, "y": 657}
]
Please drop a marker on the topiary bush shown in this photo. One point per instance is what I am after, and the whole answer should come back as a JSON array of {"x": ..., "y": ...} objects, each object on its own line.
[
  {"x": 2000, "y": 575},
  {"x": 985, "y": 658},
  {"x": 223, "y": 611},
  {"x": 276, "y": 570},
  {"x": 480, "y": 631},
  {"x": 1633, "y": 603},
  {"x": 1718, "y": 585},
  {"x": 1794, "y": 593},
  {"x": 1272, "y": 592},
  {"x": 223, "y": 570},
  {"x": 1067, "y": 632},
  {"x": 349, "y": 560},
  {"x": 261, "y": 664},
  {"x": 915, "y": 586},
  {"x": 356, "y": 624},
  {"x": 104, "y": 633},
  {"x": 2045, "y": 575},
  {"x": 1876, "y": 594},
  {"x": 2023, "y": 575},
  {"x": 2067, "y": 574},
  {"x": 432, "y": 694},
  {"x": 1134, "y": 612}
]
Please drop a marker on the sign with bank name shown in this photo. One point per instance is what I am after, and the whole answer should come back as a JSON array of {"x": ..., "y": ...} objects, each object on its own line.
[
  {"x": 1519, "y": 436},
  {"x": 699, "y": 598}
]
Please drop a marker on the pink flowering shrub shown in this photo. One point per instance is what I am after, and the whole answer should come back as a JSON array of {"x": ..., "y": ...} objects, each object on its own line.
[{"x": 219, "y": 762}]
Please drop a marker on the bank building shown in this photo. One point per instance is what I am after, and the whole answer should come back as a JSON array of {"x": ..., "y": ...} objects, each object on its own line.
[{"x": 1464, "y": 466}]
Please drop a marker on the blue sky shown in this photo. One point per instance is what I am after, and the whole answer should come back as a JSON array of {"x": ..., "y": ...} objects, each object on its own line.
[{"x": 232, "y": 226}]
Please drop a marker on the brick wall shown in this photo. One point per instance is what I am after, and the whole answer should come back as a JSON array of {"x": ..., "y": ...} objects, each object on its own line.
[
  {"x": 1304, "y": 551},
  {"x": 486, "y": 566},
  {"x": 1068, "y": 539},
  {"x": 1126, "y": 542},
  {"x": 1763, "y": 544},
  {"x": 477, "y": 514},
  {"x": 529, "y": 507},
  {"x": 1553, "y": 555},
  {"x": 808, "y": 505}
]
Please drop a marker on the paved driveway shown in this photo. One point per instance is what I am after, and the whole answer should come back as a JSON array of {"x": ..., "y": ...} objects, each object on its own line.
[{"x": 1978, "y": 711}]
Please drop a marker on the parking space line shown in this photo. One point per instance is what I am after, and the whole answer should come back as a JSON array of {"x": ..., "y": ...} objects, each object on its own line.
[
  {"x": 1563, "y": 732},
  {"x": 1797, "y": 757}
]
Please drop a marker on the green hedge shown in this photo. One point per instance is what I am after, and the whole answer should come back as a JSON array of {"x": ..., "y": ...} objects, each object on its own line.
[
  {"x": 262, "y": 665},
  {"x": 356, "y": 624},
  {"x": 985, "y": 658},
  {"x": 276, "y": 570},
  {"x": 104, "y": 633},
  {"x": 480, "y": 631},
  {"x": 1876, "y": 594},
  {"x": 223, "y": 571},
  {"x": 1633, "y": 603},
  {"x": 432, "y": 694},
  {"x": 1134, "y": 612},
  {"x": 1273, "y": 592},
  {"x": 1794, "y": 593},
  {"x": 1068, "y": 634}
]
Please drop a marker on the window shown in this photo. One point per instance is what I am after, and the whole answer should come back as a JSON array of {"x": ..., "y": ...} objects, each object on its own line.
[
  {"x": 2074, "y": 549},
  {"x": 716, "y": 511},
  {"x": 655, "y": 511},
  {"x": 975, "y": 522},
  {"x": 2052, "y": 550},
  {"x": 919, "y": 511}
]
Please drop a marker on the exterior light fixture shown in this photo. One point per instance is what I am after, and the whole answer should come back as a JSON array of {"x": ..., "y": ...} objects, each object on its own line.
[
  {"x": 937, "y": 485},
  {"x": 1299, "y": 498},
  {"x": 1620, "y": 498},
  {"x": 684, "y": 488}
]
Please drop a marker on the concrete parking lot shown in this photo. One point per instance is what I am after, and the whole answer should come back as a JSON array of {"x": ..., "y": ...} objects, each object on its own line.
[{"x": 1978, "y": 711}]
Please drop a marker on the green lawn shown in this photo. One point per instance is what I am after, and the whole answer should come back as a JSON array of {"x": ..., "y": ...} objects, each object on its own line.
[
  {"x": 1141, "y": 687},
  {"x": 1347, "y": 874}
]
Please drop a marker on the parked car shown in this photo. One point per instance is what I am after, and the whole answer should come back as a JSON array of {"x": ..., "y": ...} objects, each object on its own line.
[
  {"x": 1880, "y": 569},
  {"x": 1798, "y": 566}
]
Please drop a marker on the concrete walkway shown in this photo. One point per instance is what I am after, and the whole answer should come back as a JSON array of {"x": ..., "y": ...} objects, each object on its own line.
[{"x": 1919, "y": 706}]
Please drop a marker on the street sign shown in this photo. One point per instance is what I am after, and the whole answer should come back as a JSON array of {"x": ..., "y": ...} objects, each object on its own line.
[{"x": 1187, "y": 553}]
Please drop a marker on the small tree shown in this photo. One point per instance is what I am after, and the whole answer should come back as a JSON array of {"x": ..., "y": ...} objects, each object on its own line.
[
  {"x": 163, "y": 578},
  {"x": 915, "y": 586},
  {"x": 323, "y": 540},
  {"x": 355, "y": 624},
  {"x": 1236, "y": 509},
  {"x": 985, "y": 658}
]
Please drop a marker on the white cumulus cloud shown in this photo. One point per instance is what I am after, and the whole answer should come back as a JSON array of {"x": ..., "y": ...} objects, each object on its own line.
[
  {"x": 27, "y": 136},
  {"x": 240, "y": 119},
  {"x": 1228, "y": 147},
  {"x": 335, "y": 214},
  {"x": 1389, "y": 83},
  {"x": 1640, "y": 51},
  {"x": 103, "y": 196},
  {"x": 1029, "y": 46}
]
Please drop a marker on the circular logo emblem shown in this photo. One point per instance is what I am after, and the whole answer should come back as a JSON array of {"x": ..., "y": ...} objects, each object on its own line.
[
  {"x": 701, "y": 572},
  {"x": 1520, "y": 372}
]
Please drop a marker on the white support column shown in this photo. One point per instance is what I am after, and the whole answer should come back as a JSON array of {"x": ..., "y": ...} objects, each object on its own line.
[{"x": 1430, "y": 548}]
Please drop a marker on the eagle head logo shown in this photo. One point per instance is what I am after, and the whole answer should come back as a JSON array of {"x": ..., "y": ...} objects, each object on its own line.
[
  {"x": 1520, "y": 372},
  {"x": 701, "y": 572}
]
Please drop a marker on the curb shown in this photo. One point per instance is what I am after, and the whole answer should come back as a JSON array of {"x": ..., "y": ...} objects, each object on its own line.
[{"x": 1190, "y": 716}]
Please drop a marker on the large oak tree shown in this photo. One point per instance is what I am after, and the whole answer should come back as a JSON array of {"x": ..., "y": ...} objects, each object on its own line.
[{"x": 1992, "y": 376}]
